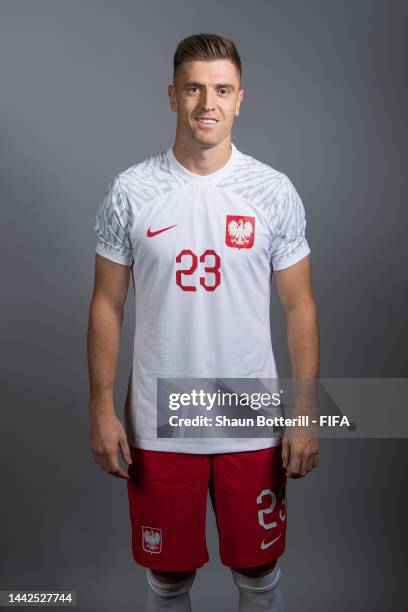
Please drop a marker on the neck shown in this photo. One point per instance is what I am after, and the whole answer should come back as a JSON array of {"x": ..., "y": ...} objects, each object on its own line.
[{"x": 199, "y": 158}]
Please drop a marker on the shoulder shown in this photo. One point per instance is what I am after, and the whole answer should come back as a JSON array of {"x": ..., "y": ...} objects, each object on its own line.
[
  {"x": 147, "y": 179},
  {"x": 260, "y": 182},
  {"x": 260, "y": 168},
  {"x": 143, "y": 168}
]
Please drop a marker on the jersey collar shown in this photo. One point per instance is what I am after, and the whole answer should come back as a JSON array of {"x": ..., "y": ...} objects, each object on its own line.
[{"x": 198, "y": 179}]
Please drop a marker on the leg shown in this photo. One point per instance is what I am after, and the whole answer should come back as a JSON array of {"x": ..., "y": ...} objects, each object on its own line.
[
  {"x": 259, "y": 588},
  {"x": 257, "y": 572},
  {"x": 250, "y": 507},
  {"x": 171, "y": 577},
  {"x": 248, "y": 495},
  {"x": 169, "y": 591},
  {"x": 167, "y": 502}
]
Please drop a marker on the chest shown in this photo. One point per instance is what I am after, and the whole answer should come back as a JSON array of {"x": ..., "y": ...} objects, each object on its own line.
[{"x": 201, "y": 224}]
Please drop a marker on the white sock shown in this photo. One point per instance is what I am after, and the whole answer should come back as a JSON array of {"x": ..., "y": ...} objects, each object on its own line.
[
  {"x": 262, "y": 594},
  {"x": 169, "y": 597}
]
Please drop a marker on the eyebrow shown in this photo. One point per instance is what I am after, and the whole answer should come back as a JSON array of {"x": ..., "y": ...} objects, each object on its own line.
[{"x": 219, "y": 85}]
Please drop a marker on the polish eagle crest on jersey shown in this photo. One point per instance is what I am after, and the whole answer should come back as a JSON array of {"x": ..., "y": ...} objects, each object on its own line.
[
  {"x": 240, "y": 231},
  {"x": 151, "y": 539}
]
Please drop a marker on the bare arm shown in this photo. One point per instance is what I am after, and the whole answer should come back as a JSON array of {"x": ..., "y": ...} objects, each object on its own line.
[
  {"x": 295, "y": 290},
  {"x": 103, "y": 342}
]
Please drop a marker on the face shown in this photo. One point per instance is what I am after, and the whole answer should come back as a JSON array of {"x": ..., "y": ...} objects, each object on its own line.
[{"x": 206, "y": 90}]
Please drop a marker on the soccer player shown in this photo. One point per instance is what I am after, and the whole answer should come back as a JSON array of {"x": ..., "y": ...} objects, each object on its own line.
[{"x": 203, "y": 226}]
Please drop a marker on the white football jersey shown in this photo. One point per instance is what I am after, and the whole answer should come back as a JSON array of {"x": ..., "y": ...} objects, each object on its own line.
[{"x": 204, "y": 249}]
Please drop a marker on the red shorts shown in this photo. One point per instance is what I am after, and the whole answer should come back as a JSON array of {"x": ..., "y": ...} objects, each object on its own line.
[{"x": 168, "y": 500}]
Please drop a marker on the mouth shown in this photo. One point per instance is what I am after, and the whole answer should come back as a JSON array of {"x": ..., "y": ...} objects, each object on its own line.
[{"x": 206, "y": 122}]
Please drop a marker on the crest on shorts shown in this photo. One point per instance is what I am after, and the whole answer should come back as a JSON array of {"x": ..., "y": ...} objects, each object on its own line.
[
  {"x": 151, "y": 539},
  {"x": 240, "y": 231}
]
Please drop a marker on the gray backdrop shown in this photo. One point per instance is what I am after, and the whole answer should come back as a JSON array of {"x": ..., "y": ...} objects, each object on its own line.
[{"x": 83, "y": 96}]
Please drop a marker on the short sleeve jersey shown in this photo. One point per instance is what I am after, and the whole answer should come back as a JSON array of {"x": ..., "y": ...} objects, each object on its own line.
[{"x": 203, "y": 250}]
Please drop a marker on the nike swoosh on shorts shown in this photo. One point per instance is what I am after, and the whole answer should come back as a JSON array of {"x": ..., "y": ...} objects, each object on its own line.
[{"x": 265, "y": 545}]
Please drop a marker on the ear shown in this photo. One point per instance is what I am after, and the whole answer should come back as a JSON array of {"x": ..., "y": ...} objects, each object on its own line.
[
  {"x": 238, "y": 103},
  {"x": 172, "y": 97}
]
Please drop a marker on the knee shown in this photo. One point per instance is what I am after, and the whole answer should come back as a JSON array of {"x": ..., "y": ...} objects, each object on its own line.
[
  {"x": 259, "y": 587},
  {"x": 257, "y": 572},
  {"x": 172, "y": 577},
  {"x": 170, "y": 584}
]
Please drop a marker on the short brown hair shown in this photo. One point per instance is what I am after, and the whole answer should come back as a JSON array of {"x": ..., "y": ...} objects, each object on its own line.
[{"x": 205, "y": 47}]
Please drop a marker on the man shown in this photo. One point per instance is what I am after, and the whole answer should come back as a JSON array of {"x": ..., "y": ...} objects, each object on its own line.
[{"x": 204, "y": 226}]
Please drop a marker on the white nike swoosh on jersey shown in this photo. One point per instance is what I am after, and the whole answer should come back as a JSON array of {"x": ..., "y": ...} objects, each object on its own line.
[{"x": 265, "y": 545}]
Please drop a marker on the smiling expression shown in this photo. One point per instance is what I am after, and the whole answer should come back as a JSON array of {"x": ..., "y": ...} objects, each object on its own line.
[{"x": 207, "y": 98}]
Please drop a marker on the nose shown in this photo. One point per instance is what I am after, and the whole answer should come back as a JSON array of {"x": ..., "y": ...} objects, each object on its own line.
[{"x": 207, "y": 100}]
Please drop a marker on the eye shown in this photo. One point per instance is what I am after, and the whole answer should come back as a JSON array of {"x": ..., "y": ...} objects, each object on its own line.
[
  {"x": 191, "y": 88},
  {"x": 223, "y": 90}
]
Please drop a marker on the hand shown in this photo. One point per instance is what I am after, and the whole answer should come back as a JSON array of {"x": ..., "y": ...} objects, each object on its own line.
[
  {"x": 107, "y": 433},
  {"x": 300, "y": 454}
]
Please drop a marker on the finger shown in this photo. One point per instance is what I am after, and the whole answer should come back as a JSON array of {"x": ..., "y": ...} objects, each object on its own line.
[
  {"x": 119, "y": 473},
  {"x": 309, "y": 463},
  {"x": 125, "y": 450},
  {"x": 115, "y": 469},
  {"x": 312, "y": 461},
  {"x": 297, "y": 470},
  {"x": 307, "y": 466},
  {"x": 108, "y": 461},
  {"x": 285, "y": 453},
  {"x": 293, "y": 467}
]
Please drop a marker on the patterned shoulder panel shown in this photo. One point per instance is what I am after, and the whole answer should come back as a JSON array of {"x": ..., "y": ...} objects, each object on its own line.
[
  {"x": 257, "y": 182},
  {"x": 145, "y": 181},
  {"x": 125, "y": 196}
]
